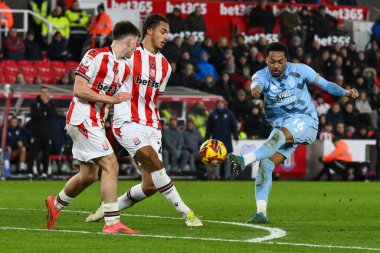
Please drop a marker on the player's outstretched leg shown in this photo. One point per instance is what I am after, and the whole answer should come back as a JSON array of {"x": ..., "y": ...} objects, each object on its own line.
[
  {"x": 54, "y": 206},
  {"x": 265, "y": 150},
  {"x": 263, "y": 186}
]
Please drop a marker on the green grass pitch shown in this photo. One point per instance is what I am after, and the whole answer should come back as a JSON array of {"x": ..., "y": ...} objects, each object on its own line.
[{"x": 306, "y": 216}]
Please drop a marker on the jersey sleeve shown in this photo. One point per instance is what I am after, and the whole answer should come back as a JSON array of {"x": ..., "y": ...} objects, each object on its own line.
[
  {"x": 256, "y": 81},
  {"x": 89, "y": 64},
  {"x": 307, "y": 73},
  {"x": 165, "y": 75}
]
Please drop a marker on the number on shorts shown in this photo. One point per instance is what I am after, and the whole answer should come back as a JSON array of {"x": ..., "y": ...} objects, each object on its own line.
[{"x": 298, "y": 125}]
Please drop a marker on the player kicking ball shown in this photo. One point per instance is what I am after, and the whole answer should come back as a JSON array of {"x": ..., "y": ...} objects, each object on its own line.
[
  {"x": 100, "y": 74},
  {"x": 137, "y": 124},
  {"x": 290, "y": 110}
]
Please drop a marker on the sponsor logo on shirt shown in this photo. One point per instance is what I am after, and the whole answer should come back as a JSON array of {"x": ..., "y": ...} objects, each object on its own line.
[{"x": 149, "y": 83}]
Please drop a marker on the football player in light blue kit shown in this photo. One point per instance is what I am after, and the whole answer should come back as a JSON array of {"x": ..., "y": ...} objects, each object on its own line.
[{"x": 290, "y": 110}]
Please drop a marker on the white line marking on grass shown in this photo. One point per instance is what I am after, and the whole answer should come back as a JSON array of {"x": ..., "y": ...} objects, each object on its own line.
[
  {"x": 274, "y": 233},
  {"x": 322, "y": 246}
]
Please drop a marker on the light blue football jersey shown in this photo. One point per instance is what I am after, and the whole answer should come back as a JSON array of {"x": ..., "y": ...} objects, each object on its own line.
[{"x": 286, "y": 95}]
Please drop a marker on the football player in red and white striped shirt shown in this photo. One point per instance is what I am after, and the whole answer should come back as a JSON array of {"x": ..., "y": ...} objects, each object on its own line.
[
  {"x": 98, "y": 78},
  {"x": 137, "y": 121}
]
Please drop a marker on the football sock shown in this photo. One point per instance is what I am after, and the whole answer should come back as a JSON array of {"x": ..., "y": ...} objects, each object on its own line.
[
  {"x": 165, "y": 186},
  {"x": 263, "y": 184},
  {"x": 111, "y": 213},
  {"x": 275, "y": 140},
  {"x": 62, "y": 200},
  {"x": 131, "y": 197}
]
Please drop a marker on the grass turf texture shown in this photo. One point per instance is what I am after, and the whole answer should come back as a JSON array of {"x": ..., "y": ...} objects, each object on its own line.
[{"x": 314, "y": 213}]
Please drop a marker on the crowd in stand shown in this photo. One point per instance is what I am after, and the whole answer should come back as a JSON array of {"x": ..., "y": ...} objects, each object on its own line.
[{"x": 225, "y": 68}]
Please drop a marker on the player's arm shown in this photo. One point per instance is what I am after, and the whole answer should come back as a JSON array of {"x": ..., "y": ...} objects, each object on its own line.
[
  {"x": 330, "y": 87},
  {"x": 82, "y": 91},
  {"x": 256, "y": 86}
]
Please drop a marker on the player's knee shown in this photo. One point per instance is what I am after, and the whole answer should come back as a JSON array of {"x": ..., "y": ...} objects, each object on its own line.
[
  {"x": 149, "y": 189},
  {"x": 277, "y": 138},
  {"x": 89, "y": 178}
]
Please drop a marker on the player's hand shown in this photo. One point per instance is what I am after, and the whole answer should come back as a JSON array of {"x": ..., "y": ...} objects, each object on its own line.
[
  {"x": 352, "y": 93},
  {"x": 121, "y": 97},
  {"x": 256, "y": 92}
]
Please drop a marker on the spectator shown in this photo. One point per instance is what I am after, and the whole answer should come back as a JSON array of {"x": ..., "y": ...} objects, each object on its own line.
[
  {"x": 241, "y": 48},
  {"x": 188, "y": 78},
  {"x": 221, "y": 125},
  {"x": 6, "y": 16},
  {"x": 175, "y": 77},
  {"x": 225, "y": 87},
  {"x": 254, "y": 122},
  {"x": 218, "y": 59},
  {"x": 172, "y": 143},
  {"x": 193, "y": 48},
  {"x": 199, "y": 114},
  {"x": 173, "y": 49},
  {"x": 184, "y": 60},
  {"x": 364, "y": 109},
  {"x": 78, "y": 20},
  {"x": 376, "y": 30},
  {"x": 236, "y": 79},
  {"x": 208, "y": 46},
  {"x": 307, "y": 28},
  {"x": 290, "y": 21},
  {"x": 58, "y": 19},
  {"x": 175, "y": 20},
  {"x": 209, "y": 85},
  {"x": 65, "y": 80},
  {"x": 373, "y": 54},
  {"x": 42, "y": 111},
  {"x": 240, "y": 106},
  {"x": 195, "y": 22},
  {"x": 58, "y": 50},
  {"x": 20, "y": 79},
  {"x": 335, "y": 115},
  {"x": 39, "y": 7},
  {"x": 101, "y": 24},
  {"x": 262, "y": 16},
  {"x": 337, "y": 160},
  {"x": 323, "y": 23},
  {"x": 13, "y": 46},
  {"x": 321, "y": 106},
  {"x": 294, "y": 43},
  {"x": 15, "y": 143},
  {"x": 327, "y": 132},
  {"x": 340, "y": 131},
  {"x": 362, "y": 133},
  {"x": 32, "y": 48},
  {"x": 205, "y": 68},
  {"x": 350, "y": 116},
  {"x": 192, "y": 140},
  {"x": 59, "y": 136}
]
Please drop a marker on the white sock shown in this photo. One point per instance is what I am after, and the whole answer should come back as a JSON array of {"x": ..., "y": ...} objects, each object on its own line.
[
  {"x": 62, "y": 200},
  {"x": 249, "y": 158},
  {"x": 131, "y": 197},
  {"x": 165, "y": 186},
  {"x": 111, "y": 213},
  {"x": 261, "y": 206},
  {"x": 22, "y": 166}
]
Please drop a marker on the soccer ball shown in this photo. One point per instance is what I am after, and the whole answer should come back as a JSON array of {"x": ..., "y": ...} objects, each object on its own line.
[{"x": 213, "y": 152}]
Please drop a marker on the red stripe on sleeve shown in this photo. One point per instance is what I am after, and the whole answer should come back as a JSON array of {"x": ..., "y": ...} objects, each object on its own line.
[{"x": 70, "y": 111}]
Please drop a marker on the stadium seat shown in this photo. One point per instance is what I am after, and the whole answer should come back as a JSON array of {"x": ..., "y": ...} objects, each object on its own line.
[
  {"x": 42, "y": 67},
  {"x": 58, "y": 68},
  {"x": 71, "y": 65},
  {"x": 11, "y": 78},
  {"x": 254, "y": 30},
  {"x": 26, "y": 68},
  {"x": 47, "y": 78},
  {"x": 10, "y": 67},
  {"x": 29, "y": 77}
]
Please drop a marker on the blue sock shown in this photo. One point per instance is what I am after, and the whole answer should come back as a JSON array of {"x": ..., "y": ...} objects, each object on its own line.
[
  {"x": 275, "y": 140},
  {"x": 263, "y": 183}
]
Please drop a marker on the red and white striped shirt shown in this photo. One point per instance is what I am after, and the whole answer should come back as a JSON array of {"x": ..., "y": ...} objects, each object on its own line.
[
  {"x": 150, "y": 75},
  {"x": 105, "y": 75}
]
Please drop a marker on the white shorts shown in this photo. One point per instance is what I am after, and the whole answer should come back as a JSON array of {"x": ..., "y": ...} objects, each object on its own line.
[
  {"x": 88, "y": 142},
  {"x": 133, "y": 136}
]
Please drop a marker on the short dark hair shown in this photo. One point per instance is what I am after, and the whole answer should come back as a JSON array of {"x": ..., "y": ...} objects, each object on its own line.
[
  {"x": 123, "y": 29},
  {"x": 152, "y": 21},
  {"x": 336, "y": 139},
  {"x": 276, "y": 46},
  {"x": 43, "y": 87}
]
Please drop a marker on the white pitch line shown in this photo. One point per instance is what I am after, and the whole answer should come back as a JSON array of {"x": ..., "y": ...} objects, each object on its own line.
[
  {"x": 274, "y": 233},
  {"x": 322, "y": 246}
]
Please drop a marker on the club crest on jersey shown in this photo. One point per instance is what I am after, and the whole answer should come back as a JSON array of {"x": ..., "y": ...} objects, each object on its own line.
[
  {"x": 152, "y": 64},
  {"x": 136, "y": 141},
  {"x": 105, "y": 146},
  {"x": 87, "y": 61}
]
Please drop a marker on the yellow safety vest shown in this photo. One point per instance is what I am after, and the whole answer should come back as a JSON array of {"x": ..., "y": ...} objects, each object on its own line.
[
  {"x": 74, "y": 17},
  {"x": 62, "y": 22},
  {"x": 40, "y": 11}
]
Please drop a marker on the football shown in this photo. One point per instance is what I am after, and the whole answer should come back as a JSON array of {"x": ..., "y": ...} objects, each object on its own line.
[{"x": 213, "y": 152}]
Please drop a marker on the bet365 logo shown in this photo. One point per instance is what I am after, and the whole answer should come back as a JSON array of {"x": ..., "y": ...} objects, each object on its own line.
[
  {"x": 149, "y": 83},
  {"x": 106, "y": 88}
]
